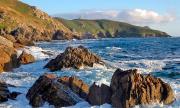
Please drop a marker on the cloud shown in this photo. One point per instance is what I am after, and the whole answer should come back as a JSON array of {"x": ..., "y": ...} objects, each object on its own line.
[{"x": 134, "y": 16}]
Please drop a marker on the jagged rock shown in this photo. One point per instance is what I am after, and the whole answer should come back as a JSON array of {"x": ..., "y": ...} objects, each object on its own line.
[
  {"x": 6, "y": 42},
  {"x": 61, "y": 35},
  {"x": 10, "y": 38},
  {"x": 49, "y": 88},
  {"x": 8, "y": 58},
  {"x": 26, "y": 58},
  {"x": 101, "y": 35},
  {"x": 76, "y": 85},
  {"x": 5, "y": 94},
  {"x": 75, "y": 58},
  {"x": 130, "y": 88},
  {"x": 99, "y": 95},
  {"x": 24, "y": 41}
]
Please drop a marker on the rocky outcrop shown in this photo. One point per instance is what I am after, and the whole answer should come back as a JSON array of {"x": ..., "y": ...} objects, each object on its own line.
[
  {"x": 76, "y": 85},
  {"x": 130, "y": 88},
  {"x": 8, "y": 58},
  {"x": 6, "y": 42},
  {"x": 99, "y": 95},
  {"x": 26, "y": 58},
  {"x": 5, "y": 94},
  {"x": 59, "y": 92},
  {"x": 73, "y": 58}
]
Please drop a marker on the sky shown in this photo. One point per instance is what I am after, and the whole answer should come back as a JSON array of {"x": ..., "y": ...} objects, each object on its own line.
[{"x": 158, "y": 14}]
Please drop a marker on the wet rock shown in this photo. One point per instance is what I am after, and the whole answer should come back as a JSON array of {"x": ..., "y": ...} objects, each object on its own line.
[
  {"x": 48, "y": 88},
  {"x": 6, "y": 42},
  {"x": 130, "y": 88},
  {"x": 76, "y": 85},
  {"x": 26, "y": 58},
  {"x": 73, "y": 58},
  {"x": 99, "y": 95},
  {"x": 8, "y": 58},
  {"x": 5, "y": 94},
  {"x": 13, "y": 95}
]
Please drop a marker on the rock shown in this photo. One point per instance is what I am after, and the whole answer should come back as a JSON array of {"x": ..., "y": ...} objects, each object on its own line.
[
  {"x": 48, "y": 88},
  {"x": 18, "y": 46},
  {"x": 75, "y": 58},
  {"x": 13, "y": 95},
  {"x": 61, "y": 35},
  {"x": 6, "y": 42},
  {"x": 5, "y": 94},
  {"x": 130, "y": 88},
  {"x": 76, "y": 85},
  {"x": 8, "y": 58},
  {"x": 99, "y": 95},
  {"x": 26, "y": 58},
  {"x": 10, "y": 38},
  {"x": 24, "y": 41}
]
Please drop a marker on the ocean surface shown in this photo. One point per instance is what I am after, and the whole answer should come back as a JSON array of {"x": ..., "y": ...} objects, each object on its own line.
[{"x": 157, "y": 56}]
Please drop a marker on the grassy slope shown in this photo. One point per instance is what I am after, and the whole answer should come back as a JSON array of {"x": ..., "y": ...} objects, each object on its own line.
[
  {"x": 94, "y": 26},
  {"x": 22, "y": 13}
]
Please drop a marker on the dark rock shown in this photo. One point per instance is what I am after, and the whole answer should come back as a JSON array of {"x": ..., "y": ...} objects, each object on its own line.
[
  {"x": 48, "y": 88},
  {"x": 61, "y": 35},
  {"x": 76, "y": 85},
  {"x": 13, "y": 95},
  {"x": 4, "y": 92},
  {"x": 75, "y": 58},
  {"x": 99, "y": 95},
  {"x": 26, "y": 58},
  {"x": 130, "y": 88}
]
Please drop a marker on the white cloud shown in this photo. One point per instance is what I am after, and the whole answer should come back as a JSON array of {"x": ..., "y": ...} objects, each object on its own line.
[{"x": 134, "y": 16}]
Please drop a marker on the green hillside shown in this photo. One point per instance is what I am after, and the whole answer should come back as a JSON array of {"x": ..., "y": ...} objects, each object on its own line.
[
  {"x": 37, "y": 24},
  {"x": 110, "y": 28}
]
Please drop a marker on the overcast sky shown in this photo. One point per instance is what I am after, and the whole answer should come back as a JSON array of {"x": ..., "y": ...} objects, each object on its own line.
[{"x": 158, "y": 14}]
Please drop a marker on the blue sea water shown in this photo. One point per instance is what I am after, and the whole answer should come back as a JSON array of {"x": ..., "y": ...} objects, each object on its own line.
[{"x": 157, "y": 56}]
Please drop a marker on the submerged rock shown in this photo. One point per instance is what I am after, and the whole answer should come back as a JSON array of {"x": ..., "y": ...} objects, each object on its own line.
[
  {"x": 59, "y": 92},
  {"x": 130, "y": 88},
  {"x": 26, "y": 58},
  {"x": 8, "y": 58},
  {"x": 99, "y": 95},
  {"x": 75, "y": 58}
]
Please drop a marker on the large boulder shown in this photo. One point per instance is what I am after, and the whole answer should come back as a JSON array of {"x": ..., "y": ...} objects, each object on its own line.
[
  {"x": 99, "y": 95},
  {"x": 26, "y": 58},
  {"x": 130, "y": 88},
  {"x": 5, "y": 94},
  {"x": 6, "y": 42},
  {"x": 54, "y": 90},
  {"x": 8, "y": 58},
  {"x": 75, "y": 58}
]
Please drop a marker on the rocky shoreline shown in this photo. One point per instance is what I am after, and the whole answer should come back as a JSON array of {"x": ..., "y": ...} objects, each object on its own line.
[{"x": 127, "y": 89}]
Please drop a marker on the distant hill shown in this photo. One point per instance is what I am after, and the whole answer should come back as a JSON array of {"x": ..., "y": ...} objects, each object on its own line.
[
  {"x": 108, "y": 28},
  {"x": 22, "y": 21}
]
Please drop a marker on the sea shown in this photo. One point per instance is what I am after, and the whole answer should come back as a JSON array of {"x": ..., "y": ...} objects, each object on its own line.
[{"x": 159, "y": 57}]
